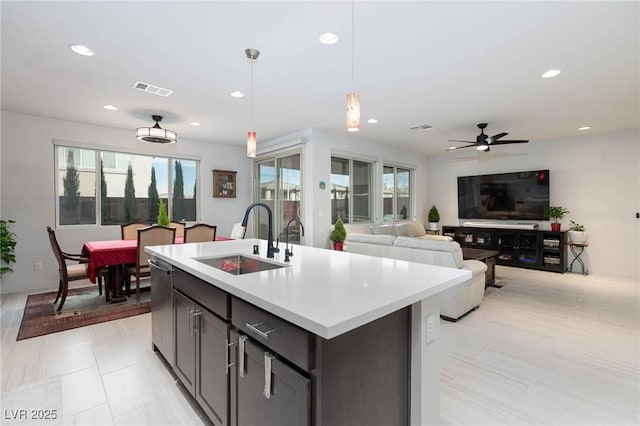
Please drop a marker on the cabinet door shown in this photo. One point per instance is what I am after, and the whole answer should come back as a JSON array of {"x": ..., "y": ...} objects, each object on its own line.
[
  {"x": 289, "y": 401},
  {"x": 185, "y": 349},
  {"x": 212, "y": 389}
]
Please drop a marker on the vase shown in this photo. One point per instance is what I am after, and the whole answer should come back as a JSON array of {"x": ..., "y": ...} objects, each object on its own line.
[
  {"x": 555, "y": 227},
  {"x": 338, "y": 245}
]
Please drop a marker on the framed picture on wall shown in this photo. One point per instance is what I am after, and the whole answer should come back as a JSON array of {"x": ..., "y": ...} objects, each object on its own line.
[{"x": 224, "y": 184}]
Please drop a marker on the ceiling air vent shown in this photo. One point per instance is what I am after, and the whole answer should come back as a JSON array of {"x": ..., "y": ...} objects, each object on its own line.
[
  {"x": 150, "y": 88},
  {"x": 421, "y": 127}
]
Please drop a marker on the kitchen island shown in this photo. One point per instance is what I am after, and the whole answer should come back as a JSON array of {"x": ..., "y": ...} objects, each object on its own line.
[{"x": 357, "y": 335}]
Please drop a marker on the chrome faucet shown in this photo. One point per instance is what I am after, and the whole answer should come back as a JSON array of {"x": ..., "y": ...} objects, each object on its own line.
[
  {"x": 270, "y": 248},
  {"x": 287, "y": 252}
]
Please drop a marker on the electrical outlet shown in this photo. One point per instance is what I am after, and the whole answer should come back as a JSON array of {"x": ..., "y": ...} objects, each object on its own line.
[
  {"x": 37, "y": 266},
  {"x": 431, "y": 328}
]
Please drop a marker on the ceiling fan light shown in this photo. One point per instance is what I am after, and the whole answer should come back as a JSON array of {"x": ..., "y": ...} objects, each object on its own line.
[
  {"x": 482, "y": 147},
  {"x": 353, "y": 112}
]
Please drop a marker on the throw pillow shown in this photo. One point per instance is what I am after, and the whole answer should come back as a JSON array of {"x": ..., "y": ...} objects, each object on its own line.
[
  {"x": 415, "y": 229},
  {"x": 383, "y": 230}
]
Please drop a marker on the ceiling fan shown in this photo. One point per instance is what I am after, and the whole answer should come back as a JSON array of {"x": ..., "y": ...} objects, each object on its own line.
[{"x": 484, "y": 142}]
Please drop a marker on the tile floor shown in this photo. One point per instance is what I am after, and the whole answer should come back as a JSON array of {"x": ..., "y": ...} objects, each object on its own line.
[{"x": 546, "y": 349}]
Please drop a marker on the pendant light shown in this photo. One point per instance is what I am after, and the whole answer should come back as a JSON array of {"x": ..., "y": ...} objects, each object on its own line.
[
  {"x": 252, "y": 55},
  {"x": 353, "y": 98},
  {"x": 156, "y": 134}
]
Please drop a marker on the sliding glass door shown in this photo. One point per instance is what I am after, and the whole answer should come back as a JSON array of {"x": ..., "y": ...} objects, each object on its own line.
[{"x": 279, "y": 185}]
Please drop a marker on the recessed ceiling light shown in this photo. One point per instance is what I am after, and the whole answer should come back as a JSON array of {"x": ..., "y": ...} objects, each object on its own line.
[
  {"x": 110, "y": 107},
  {"x": 372, "y": 121},
  {"x": 551, "y": 73},
  {"x": 237, "y": 94},
  {"x": 584, "y": 128},
  {"x": 81, "y": 50},
  {"x": 195, "y": 123},
  {"x": 328, "y": 38}
]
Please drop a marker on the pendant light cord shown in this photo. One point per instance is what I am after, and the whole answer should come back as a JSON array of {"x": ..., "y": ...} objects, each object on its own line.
[
  {"x": 252, "y": 116},
  {"x": 353, "y": 43}
]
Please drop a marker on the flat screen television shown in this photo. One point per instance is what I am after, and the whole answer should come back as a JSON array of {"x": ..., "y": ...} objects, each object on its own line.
[{"x": 504, "y": 196}]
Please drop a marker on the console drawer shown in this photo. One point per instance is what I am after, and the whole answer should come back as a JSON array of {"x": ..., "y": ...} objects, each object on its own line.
[
  {"x": 287, "y": 340},
  {"x": 207, "y": 295}
]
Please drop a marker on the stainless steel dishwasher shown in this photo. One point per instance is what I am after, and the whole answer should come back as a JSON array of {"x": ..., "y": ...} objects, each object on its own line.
[{"x": 161, "y": 309}]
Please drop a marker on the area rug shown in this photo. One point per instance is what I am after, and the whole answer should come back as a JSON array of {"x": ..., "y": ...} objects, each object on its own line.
[{"x": 84, "y": 306}]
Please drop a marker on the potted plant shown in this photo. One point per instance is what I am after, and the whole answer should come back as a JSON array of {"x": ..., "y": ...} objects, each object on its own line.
[
  {"x": 338, "y": 235},
  {"x": 7, "y": 245},
  {"x": 555, "y": 214},
  {"x": 163, "y": 217},
  {"x": 577, "y": 233},
  {"x": 434, "y": 218}
]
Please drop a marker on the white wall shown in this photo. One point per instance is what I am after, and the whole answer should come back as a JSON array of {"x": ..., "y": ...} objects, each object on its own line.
[
  {"x": 596, "y": 177},
  {"x": 27, "y": 189}
]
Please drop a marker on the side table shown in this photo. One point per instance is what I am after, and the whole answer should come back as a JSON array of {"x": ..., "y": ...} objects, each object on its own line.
[
  {"x": 432, "y": 231},
  {"x": 488, "y": 257},
  {"x": 577, "y": 249}
]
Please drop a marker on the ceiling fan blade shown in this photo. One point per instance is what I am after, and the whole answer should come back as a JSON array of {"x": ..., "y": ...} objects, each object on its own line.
[
  {"x": 458, "y": 140},
  {"x": 453, "y": 148},
  {"x": 498, "y": 136},
  {"x": 508, "y": 142}
]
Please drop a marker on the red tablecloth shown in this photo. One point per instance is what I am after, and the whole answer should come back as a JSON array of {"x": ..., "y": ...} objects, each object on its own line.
[{"x": 114, "y": 252}]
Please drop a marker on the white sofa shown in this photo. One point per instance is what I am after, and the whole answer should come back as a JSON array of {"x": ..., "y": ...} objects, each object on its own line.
[{"x": 409, "y": 241}]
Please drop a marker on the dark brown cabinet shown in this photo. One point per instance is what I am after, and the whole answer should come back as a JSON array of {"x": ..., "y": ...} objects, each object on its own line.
[{"x": 523, "y": 248}]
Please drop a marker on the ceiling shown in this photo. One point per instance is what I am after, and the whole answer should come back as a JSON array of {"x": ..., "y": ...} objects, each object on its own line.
[{"x": 447, "y": 64}]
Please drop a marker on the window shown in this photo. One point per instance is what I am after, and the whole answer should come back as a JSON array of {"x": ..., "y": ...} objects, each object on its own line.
[
  {"x": 351, "y": 183},
  {"x": 126, "y": 187},
  {"x": 396, "y": 193}
]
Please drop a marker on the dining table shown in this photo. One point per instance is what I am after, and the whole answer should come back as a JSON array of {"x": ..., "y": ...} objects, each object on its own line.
[{"x": 113, "y": 255}]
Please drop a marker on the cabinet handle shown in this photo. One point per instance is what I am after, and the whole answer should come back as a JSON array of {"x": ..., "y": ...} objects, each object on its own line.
[
  {"x": 226, "y": 355},
  {"x": 196, "y": 323},
  {"x": 152, "y": 263},
  {"x": 267, "y": 374},
  {"x": 254, "y": 328},
  {"x": 241, "y": 341},
  {"x": 189, "y": 323}
]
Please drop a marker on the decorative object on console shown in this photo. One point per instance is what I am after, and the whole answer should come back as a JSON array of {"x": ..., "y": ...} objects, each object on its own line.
[
  {"x": 8, "y": 245},
  {"x": 577, "y": 233},
  {"x": 156, "y": 134},
  {"x": 252, "y": 142},
  {"x": 338, "y": 235},
  {"x": 555, "y": 214},
  {"x": 434, "y": 218}
]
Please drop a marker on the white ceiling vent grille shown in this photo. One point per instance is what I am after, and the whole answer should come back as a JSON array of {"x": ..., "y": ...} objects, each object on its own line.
[
  {"x": 421, "y": 127},
  {"x": 150, "y": 88}
]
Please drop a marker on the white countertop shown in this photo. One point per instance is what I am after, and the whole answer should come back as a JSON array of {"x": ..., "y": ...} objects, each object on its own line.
[{"x": 326, "y": 292}]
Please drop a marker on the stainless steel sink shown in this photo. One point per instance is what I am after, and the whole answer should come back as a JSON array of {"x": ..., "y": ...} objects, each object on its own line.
[{"x": 238, "y": 264}]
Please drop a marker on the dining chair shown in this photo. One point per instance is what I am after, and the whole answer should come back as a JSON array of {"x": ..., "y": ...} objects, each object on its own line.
[
  {"x": 199, "y": 233},
  {"x": 129, "y": 231},
  {"x": 150, "y": 236},
  {"x": 68, "y": 272},
  {"x": 179, "y": 228},
  {"x": 238, "y": 232}
]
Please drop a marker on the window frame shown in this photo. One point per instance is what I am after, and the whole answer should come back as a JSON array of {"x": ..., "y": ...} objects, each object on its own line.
[
  {"x": 350, "y": 209},
  {"x": 411, "y": 213},
  {"x": 60, "y": 167}
]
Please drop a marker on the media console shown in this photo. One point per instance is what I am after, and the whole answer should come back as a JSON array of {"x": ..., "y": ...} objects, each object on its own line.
[{"x": 523, "y": 248}]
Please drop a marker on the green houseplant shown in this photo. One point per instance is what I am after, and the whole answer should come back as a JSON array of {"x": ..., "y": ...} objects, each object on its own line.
[
  {"x": 555, "y": 214},
  {"x": 434, "y": 218},
  {"x": 163, "y": 217},
  {"x": 577, "y": 233},
  {"x": 7, "y": 245},
  {"x": 338, "y": 235}
]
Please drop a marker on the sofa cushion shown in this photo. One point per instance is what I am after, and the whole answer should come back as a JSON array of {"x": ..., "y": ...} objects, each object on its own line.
[
  {"x": 385, "y": 240},
  {"x": 401, "y": 230},
  {"x": 444, "y": 246},
  {"x": 387, "y": 229},
  {"x": 436, "y": 237},
  {"x": 415, "y": 229}
]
